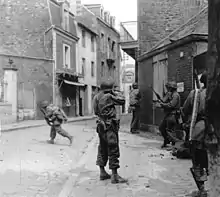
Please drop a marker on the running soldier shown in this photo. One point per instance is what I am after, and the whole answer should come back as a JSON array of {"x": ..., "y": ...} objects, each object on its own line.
[
  {"x": 171, "y": 105},
  {"x": 107, "y": 129},
  {"x": 194, "y": 111},
  {"x": 134, "y": 107},
  {"x": 55, "y": 116}
]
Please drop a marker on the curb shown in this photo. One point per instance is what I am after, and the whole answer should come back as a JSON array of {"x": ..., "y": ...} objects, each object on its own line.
[{"x": 44, "y": 124}]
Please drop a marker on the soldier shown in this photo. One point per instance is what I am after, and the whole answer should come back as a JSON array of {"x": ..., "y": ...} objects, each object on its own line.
[
  {"x": 107, "y": 129},
  {"x": 197, "y": 134},
  {"x": 55, "y": 117},
  {"x": 134, "y": 107},
  {"x": 171, "y": 104}
]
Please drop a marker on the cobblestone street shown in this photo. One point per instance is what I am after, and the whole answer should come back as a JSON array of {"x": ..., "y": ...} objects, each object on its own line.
[
  {"x": 151, "y": 172},
  {"x": 30, "y": 167}
]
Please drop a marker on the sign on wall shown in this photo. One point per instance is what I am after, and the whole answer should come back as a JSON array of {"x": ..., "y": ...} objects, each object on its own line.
[
  {"x": 180, "y": 87},
  {"x": 128, "y": 77}
]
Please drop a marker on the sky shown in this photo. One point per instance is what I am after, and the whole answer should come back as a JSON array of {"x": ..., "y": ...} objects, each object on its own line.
[{"x": 123, "y": 10}]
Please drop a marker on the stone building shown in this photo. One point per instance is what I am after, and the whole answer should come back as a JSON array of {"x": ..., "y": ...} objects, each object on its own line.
[
  {"x": 108, "y": 50},
  {"x": 87, "y": 59},
  {"x": 158, "y": 18},
  {"x": 180, "y": 56},
  {"x": 40, "y": 37}
]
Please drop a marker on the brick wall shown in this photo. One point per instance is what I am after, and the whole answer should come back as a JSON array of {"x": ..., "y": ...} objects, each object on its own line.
[
  {"x": 34, "y": 81},
  {"x": 180, "y": 69},
  {"x": 158, "y": 18},
  {"x": 22, "y": 27}
]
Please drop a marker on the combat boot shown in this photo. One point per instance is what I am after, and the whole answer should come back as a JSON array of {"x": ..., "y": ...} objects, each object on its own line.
[
  {"x": 51, "y": 141},
  {"x": 115, "y": 179},
  {"x": 71, "y": 140},
  {"x": 103, "y": 174}
]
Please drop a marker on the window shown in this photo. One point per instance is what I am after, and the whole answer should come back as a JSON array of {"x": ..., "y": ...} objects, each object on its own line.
[
  {"x": 92, "y": 69},
  {"x": 102, "y": 42},
  {"x": 109, "y": 46},
  {"x": 102, "y": 69},
  {"x": 113, "y": 49},
  {"x": 83, "y": 66},
  {"x": 66, "y": 56},
  {"x": 83, "y": 38},
  {"x": 92, "y": 43},
  {"x": 66, "y": 20}
]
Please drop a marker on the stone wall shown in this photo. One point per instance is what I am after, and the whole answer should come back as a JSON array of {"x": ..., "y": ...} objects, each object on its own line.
[
  {"x": 158, "y": 18},
  {"x": 34, "y": 83}
]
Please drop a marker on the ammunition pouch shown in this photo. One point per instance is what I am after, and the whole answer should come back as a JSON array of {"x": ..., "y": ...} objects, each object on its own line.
[
  {"x": 101, "y": 127},
  {"x": 116, "y": 125}
]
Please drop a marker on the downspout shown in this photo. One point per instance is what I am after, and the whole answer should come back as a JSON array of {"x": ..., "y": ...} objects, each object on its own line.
[{"x": 54, "y": 49}]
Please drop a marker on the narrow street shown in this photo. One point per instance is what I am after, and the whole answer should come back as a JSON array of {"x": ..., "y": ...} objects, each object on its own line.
[
  {"x": 29, "y": 167},
  {"x": 151, "y": 172}
]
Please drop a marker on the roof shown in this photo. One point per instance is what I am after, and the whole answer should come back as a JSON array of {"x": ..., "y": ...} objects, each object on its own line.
[
  {"x": 177, "y": 43},
  {"x": 198, "y": 24},
  {"x": 88, "y": 20}
]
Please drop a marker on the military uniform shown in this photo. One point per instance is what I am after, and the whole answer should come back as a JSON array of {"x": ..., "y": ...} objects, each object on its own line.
[
  {"x": 170, "y": 104},
  {"x": 107, "y": 129},
  {"x": 55, "y": 117},
  {"x": 198, "y": 149},
  {"x": 134, "y": 106}
]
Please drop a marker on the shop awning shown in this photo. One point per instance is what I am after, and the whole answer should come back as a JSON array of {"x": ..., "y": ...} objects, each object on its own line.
[{"x": 73, "y": 83}]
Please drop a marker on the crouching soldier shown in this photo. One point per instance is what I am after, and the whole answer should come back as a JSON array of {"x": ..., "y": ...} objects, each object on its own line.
[
  {"x": 107, "y": 129},
  {"x": 55, "y": 116},
  {"x": 194, "y": 111},
  {"x": 171, "y": 104}
]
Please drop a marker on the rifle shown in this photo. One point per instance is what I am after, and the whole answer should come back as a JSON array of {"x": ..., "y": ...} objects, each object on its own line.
[
  {"x": 194, "y": 177},
  {"x": 45, "y": 116},
  {"x": 157, "y": 95},
  {"x": 194, "y": 117}
]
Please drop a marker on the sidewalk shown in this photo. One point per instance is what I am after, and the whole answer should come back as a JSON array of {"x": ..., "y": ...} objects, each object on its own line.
[
  {"x": 152, "y": 172},
  {"x": 38, "y": 123}
]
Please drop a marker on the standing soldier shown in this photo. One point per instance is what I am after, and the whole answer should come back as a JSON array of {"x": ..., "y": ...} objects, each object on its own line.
[
  {"x": 134, "y": 107},
  {"x": 107, "y": 129},
  {"x": 55, "y": 116},
  {"x": 194, "y": 111},
  {"x": 171, "y": 105}
]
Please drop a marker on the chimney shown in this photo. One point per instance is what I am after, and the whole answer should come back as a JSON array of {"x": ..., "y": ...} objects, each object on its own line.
[{"x": 78, "y": 7}]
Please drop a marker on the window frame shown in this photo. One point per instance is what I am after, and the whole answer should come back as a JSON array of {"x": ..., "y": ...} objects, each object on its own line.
[
  {"x": 66, "y": 20},
  {"x": 83, "y": 38},
  {"x": 66, "y": 55},
  {"x": 92, "y": 69},
  {"x": 83, "y": 66}
]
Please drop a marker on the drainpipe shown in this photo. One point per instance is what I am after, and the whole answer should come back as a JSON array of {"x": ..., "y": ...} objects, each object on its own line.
[{"x": 54, "y": 47}]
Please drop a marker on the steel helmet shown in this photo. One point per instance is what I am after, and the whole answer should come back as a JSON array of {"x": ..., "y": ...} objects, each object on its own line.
[
  {"x": 107, "y": 84},
  {"x": 173, "y": 85},
  {"x": 44, "y": 104}
]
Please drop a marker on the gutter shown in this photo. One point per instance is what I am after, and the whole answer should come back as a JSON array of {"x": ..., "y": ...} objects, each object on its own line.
[{"x": 182, "y": 41}]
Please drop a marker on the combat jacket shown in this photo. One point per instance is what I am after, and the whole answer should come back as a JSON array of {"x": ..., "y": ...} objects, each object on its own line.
[
  {"x": 199, "y": 128},
  {"x": 104, "y": 104},
  {"x": 171, "y": 102},
  {"x": 134, "y": 97},
  {"x": 55, "y": 114}
]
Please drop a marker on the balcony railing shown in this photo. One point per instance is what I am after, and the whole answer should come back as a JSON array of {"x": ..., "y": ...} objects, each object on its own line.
[{"x": 128, "y": 31}]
